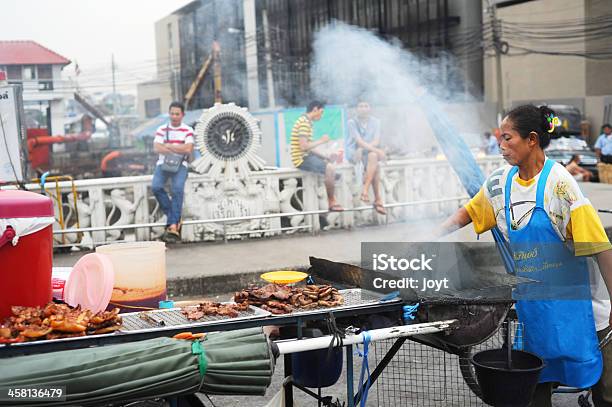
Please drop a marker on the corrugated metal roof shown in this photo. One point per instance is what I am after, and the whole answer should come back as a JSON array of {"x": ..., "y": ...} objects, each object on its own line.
[{"x": 28, "y": 53}]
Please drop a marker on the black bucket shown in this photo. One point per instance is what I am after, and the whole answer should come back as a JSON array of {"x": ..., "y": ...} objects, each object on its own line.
[
  {"x": 502, "y": 387},
  {"x": 316, "y": 368}
]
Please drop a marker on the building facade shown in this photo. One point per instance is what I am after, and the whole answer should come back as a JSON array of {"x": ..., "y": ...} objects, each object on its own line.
[
  {"x": 155, "y": 96},
  {"x": 558, "y": 53},
  {"x": 38, "y": 71},
  {"x": 266, "y": 44},
  {"x": 430, "y": 29}
]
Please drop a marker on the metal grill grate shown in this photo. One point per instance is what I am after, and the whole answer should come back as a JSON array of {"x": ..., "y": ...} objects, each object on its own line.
[
  {"x": 174, "y": 318},
  {"x": 353, "y": 298},
  {"x": 420, "y": 375}
]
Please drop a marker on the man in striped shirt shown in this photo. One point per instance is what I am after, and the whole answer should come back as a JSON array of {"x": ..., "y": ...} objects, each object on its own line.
[
  {"x": 172, "y": 138},
  {"x": 304, "y": 155}
]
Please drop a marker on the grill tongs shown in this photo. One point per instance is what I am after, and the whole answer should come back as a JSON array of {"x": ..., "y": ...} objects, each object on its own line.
[{"x": 152, "y": 318}]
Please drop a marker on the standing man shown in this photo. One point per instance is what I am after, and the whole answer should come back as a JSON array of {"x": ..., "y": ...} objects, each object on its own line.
[
  {"x": 305, "y": 156},
  {"x": 492, "y": 144},
  {"x": 603, "y": 145},
  {"x": 174, "y": 143},
  {"x": 363, "y": 145}
]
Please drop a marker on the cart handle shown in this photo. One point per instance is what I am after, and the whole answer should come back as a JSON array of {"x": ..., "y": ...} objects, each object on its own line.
[{"x": 7, "y": 236}]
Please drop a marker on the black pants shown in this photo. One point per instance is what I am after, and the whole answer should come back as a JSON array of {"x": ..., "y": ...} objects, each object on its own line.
[{"x": 607, "y": 159}]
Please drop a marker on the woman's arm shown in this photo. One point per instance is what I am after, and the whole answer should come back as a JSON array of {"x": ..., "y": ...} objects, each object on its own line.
[
  {"x": 456, "y": 221},
  {"x": 604, "y": 259}
]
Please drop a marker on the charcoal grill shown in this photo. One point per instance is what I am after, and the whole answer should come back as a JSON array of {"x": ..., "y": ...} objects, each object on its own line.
[{"x": 479, "y": 318}]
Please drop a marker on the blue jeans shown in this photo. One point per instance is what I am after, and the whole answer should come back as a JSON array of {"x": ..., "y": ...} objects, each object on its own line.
[{"x": 171, "y": 207}]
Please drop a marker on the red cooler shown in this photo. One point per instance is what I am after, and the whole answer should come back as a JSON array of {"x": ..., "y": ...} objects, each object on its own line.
[{"x": 26, "y": 249}]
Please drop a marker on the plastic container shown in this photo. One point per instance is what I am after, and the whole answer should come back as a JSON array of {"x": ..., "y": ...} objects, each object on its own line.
[
  {"x": 140, "y": 274},
  {"x": 284, "y": 276},
  {"x": 90, "y": 284},
  {"x": 314, "y": 368},
  {"x": 25, "y": 267},
  {"x": 503, "y": 387},
  {"x": 59, "y": 277}
]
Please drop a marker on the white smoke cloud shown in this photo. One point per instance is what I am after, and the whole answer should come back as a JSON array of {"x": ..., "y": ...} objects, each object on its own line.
[{"x": 352, "y": 64}]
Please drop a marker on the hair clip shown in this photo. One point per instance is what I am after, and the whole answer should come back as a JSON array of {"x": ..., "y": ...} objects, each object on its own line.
[{"x": 553, "y": 121}]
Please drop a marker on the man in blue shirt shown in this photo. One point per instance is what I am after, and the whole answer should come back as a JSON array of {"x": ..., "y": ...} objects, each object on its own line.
[
  {"x": 603, "y": 145},
  {"x": 363, "y": 145},
  {"x": 492, "y": 144}
]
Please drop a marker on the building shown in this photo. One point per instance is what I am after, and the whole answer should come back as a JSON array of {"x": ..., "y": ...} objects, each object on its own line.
[
  {"x": 201, "y": 23},
  {"x": 558, "y": 53},
  {"x": 183, "y": 45},
  {"x": 154, "y": 96},
  {"x": 431, "y": 29},
  {"x": 266, "y": 46},
  {"x": 38, "y": 70}
]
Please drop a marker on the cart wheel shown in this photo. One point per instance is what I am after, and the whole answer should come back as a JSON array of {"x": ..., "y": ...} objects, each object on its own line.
[
  {"x": 583, "y": 401},
  {"x": 467, "y": 371}
]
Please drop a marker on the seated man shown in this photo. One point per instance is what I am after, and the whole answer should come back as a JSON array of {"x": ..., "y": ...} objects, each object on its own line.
[
  {"x": 363, "y": 145},
  {"x": 579, "y": 173},
  {"x": 305, "y": 156}
]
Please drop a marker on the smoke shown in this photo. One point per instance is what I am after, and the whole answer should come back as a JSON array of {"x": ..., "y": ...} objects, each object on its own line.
[{"x": 352, "y": 64}]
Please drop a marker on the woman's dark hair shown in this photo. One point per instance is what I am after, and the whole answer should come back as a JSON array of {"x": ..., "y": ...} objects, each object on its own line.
[{"x": 528, "y": 118}]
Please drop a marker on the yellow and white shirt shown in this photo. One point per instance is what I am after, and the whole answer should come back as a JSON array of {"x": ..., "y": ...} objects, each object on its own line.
[
  {"x": 571, "y": 213},
  {"x": 301, "y": 128}
]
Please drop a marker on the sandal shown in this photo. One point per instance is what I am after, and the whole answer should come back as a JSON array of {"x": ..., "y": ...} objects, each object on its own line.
[
  {"x": 336, "y": 208},
  {"x": 171, "y": 236},
  {"x": 365, "y": 198},
  {"x": 380, "y": 208}
]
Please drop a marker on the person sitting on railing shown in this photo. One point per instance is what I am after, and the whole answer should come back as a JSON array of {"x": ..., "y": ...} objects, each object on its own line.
[
  {"x": 363, "y": 146},
  {"x": 579, "y": 173},
  {"x": 174, "y": 143},
  {"x": 305, "y": 156}
]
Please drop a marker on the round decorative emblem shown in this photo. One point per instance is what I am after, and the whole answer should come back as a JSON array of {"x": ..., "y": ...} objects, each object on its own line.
[{"x": 228, "y": 138}]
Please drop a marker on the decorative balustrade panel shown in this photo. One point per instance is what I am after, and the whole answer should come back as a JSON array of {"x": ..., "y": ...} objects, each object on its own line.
[{"x": 117, "y": 207}]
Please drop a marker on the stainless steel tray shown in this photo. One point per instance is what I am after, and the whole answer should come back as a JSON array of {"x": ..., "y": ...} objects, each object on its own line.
[
  {"x": 353, "y": 298},
  {"x": 174, "y": 318}
]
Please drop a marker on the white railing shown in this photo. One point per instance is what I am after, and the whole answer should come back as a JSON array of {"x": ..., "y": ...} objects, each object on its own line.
[{"x": 268, "y": 203}]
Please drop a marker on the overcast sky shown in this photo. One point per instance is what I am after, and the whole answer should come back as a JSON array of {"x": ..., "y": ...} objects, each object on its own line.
[{"x": 89, "y": 31}]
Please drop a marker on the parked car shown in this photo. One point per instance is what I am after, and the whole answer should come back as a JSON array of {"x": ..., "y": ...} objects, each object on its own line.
[{"x": 562, "y": 149}]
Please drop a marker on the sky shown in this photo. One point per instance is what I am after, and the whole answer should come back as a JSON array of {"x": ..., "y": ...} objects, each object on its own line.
[{"x": 89, "y": 32}]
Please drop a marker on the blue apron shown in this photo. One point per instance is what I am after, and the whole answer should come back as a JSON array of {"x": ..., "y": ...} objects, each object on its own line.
[{"x": 560, "y": 331}]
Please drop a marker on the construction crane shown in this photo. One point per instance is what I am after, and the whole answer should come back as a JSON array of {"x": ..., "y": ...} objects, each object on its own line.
[{"x": 213, "y": 59}]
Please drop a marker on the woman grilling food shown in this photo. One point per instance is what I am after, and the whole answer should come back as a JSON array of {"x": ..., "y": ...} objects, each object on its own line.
[{"x": 552, "y": 230}]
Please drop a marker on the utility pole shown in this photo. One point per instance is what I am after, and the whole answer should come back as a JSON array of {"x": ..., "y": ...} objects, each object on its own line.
[
  {"x": 497, "y": 44},
  {"x": 114, "y": 87},
  {"x": 269, "y": 75},
  {"x": 113, "y": 130}
]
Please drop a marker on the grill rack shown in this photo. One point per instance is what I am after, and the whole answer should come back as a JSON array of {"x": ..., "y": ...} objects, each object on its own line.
[
  {"x": 174, "y": 318},
  {"x": 369, "y": 304},
  {"x": 353, "y": 298}
]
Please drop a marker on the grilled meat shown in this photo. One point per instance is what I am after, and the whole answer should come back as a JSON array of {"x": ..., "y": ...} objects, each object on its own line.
[
  {"x": 194, "y": 313},
  {"x": 279, "y": 299}
]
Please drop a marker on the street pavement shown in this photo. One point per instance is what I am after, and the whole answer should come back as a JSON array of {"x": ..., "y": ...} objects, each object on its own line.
[{"x": 193, "y": 260}]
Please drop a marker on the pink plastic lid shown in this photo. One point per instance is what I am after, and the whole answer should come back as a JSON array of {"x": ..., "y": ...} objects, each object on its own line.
[
  {"x": 91, "y": 282},
  {"x": 24, "y": 204}
]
